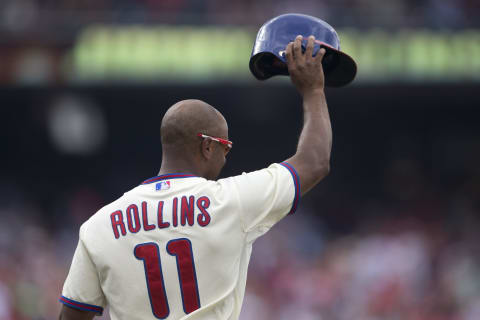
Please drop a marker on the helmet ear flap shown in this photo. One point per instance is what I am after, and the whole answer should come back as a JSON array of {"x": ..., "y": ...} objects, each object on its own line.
[
  {"x": 330, "y": 61},
  {"x": 265, "y": 65}
]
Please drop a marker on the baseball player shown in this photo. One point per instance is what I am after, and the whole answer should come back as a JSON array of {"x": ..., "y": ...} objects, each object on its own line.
[{"x": 178, "y": 245}]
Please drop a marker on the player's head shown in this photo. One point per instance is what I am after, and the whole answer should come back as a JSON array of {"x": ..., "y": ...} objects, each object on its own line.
[{"x": 184, "y": 148}]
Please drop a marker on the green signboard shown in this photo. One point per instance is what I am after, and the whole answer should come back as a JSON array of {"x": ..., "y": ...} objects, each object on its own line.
[{"x": 203, "y": 54}]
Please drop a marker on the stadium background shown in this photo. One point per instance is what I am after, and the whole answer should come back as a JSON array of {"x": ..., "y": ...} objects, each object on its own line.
[{"x": 392, "y": 233}]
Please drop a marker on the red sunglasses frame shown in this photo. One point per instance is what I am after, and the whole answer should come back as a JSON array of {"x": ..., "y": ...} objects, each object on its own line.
[{"x": 225, "y": 142}]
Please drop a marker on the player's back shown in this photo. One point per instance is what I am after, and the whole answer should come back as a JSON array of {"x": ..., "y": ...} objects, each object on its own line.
[{"x": 177, "y": 246}]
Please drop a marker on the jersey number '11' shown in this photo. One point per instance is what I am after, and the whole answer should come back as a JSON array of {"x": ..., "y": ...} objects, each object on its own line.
[{"x": 182, "y": 250}]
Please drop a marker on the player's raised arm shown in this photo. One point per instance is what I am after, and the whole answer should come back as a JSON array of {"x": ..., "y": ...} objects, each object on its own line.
[{"x": 312, "y": 159}]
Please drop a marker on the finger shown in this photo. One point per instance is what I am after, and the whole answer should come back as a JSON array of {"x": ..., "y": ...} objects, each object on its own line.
[
  {"x": 297, "y": 47},
  {"x": 319, "y": 56},
  {"x": 309, "y": 50},
  {"x": 289, "y": 53}
]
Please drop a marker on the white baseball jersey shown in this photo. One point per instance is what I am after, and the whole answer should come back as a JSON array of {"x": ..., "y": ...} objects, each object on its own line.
[{"x": 177, "y": 246}]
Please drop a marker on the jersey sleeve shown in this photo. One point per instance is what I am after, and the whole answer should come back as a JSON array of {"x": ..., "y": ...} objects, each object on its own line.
[
  {"x": 266, "y": 196},
  {"x": 82, "y": 289}
]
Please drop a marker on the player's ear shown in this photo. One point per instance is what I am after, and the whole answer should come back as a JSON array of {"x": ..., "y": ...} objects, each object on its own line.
[{"x": 207, "y": 148}]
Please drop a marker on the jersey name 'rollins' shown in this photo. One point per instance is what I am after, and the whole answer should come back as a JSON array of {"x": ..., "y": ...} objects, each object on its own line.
[{"x": 184, "y": 214}]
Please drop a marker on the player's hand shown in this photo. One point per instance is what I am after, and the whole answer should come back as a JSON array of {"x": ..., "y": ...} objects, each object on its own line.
[{"x": 305, "y": 70}]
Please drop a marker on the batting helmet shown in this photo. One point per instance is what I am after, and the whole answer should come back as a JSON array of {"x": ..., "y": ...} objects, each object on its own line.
[{"x": 268, "y": 54}]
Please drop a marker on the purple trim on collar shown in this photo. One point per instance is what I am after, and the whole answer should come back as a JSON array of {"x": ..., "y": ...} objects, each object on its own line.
[{"x": 169, "y": 176}]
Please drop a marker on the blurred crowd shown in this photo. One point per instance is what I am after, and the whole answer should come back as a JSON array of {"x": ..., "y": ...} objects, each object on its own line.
[
  {"x": 399, "y": 269},
  {"x": 31, "y": 14},
  {"x": 411, "y": 259}
]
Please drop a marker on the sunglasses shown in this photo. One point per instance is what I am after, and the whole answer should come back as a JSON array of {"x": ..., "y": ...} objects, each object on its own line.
[{"x": 227, "y": 143}]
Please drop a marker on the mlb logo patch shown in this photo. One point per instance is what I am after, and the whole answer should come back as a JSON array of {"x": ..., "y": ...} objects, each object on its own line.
[{"x": 162, "y": 185}]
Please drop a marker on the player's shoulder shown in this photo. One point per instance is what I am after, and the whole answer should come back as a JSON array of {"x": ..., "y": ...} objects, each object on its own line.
[
  {"x": 261, "y": 174},
  {"x": 257, "y": 181}
]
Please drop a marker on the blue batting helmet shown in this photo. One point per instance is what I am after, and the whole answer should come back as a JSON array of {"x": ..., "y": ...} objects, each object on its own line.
[{"x": 268, "y": 54}]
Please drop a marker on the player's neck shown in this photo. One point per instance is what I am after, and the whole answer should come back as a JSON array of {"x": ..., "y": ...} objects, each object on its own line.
[{"x": 178, "y": 166}]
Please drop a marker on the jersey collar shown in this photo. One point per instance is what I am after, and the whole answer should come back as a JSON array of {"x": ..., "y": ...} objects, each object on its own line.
[{"x": 169, "y": 176}]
